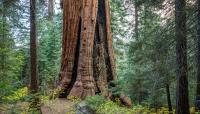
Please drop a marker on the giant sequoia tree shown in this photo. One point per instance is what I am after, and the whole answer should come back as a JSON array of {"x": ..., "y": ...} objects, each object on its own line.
[{"x": 87, "y": 64}]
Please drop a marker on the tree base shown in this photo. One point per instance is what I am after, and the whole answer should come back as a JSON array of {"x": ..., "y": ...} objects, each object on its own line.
[{"x": 124, "y": 100}]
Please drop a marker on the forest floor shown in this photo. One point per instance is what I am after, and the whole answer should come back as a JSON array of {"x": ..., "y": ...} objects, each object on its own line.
[
  {"x": 64, "y": 106},
  {"x": 58, "y": 106}
]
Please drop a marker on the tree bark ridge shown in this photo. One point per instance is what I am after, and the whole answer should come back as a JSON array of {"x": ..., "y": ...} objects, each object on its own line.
[{"x": 88, "y": 63}]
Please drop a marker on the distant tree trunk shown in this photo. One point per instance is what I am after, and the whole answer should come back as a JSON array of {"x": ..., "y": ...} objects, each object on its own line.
[
  {"x": 33, "y": 57},
  {"x": 33, "y": 48},
  {"x": 87, "y": 54},
  {"x": 136, "y": 37},
  {"x": 3, "y": 38},
  {"x": 50, "y": 9},
  {"x": 169, "y": 99},
  {"x": 182, "y": 102},
  {"x": 136, "y": 21},
  {"x": 197, "y": 103}
]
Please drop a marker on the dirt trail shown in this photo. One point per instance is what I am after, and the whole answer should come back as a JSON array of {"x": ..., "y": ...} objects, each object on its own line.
[{"x": 58, "y": 106}]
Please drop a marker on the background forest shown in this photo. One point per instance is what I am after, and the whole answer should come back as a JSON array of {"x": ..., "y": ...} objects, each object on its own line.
[{"x": 144, "y": 45}]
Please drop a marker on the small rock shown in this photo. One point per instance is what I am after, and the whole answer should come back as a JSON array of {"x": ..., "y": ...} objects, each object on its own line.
[{"x": 82, "y": 108}]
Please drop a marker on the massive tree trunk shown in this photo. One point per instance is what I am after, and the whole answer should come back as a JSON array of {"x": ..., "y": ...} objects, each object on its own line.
[
  {"x": 87, "y": 64},
  {"x": 182, "y": 102},
  {"x": 197, "y": 103}
]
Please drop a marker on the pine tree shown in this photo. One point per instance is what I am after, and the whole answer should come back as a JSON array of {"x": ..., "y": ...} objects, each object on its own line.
[
  {"x": 198, "y": 58},
  {"x": 33, "y": 58},
  {"x": 182, "y": 102},
  {"x": 33, "y": 47}
]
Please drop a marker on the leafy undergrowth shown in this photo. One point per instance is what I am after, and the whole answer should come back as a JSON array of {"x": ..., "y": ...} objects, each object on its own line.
[
  {"x": 12, "y": 104},
  {"x": 17, "y": 103},
  {"x": 16, "y": 95},
  {"x": 102, "y": 106}
]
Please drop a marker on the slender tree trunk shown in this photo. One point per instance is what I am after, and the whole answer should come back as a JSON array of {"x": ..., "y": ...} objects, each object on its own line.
[
  {"x": 33, "y": 48},
  {"x": 182, "y": 102},
  {"x": 169, "y": 99},
  {"x": 197, "y": 103},
  {"x": 3, "y": 44},
  {"x": 33, "y": 57},
  {"x": 50, "y": 9},
  {"x": 3, "y": 39},
  {"x": 136, "y": 21},
  {"x": 136, "y": 37}
]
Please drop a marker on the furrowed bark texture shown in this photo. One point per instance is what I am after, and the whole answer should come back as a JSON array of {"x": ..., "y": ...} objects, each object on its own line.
[
  {"x": 33, "y": 48},
  {"x": 182, "y": 102},
  {"x": 35, "y": 102},
  {"x": 197, "y": 103},
  {"x": 87, "y": 55}
]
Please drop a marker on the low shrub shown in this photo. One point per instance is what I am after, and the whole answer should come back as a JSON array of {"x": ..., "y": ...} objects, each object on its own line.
[{"x": 95, "y": 101}]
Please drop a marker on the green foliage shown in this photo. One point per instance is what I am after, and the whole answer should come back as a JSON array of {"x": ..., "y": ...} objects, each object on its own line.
[
  {"x": 110, "y": 107},
  {"x": 144, "y": 75},
  {"x": 49, "y": 52},
  {"x": 144, "y": 65},
  {"x": 95, "y": 101},
  {"x": 17, "y": 95},
  {"x": 103, "y": 106},
  {"x": 74, "y": 99},
  {"x": 13, "y": 102},
  {"x": 11, "y": 61},
  {"x": 148, "y": 3}
]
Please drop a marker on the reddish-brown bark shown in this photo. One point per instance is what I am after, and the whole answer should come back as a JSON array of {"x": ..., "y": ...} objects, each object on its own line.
[
  {"x": 80, "y": 77},
  {"x": 88, "y": 63}
]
